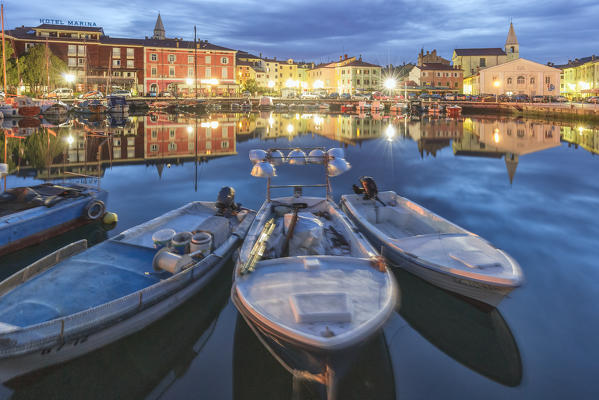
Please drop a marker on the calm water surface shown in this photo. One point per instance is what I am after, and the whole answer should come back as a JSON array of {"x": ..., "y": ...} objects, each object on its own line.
[{"x": 529, "y": 187}]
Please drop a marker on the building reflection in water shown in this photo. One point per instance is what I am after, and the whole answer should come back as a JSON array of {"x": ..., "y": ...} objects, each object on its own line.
[{"x": 49, "y": 150}]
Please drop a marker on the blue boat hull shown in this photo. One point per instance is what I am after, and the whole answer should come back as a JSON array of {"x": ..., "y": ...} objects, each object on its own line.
[{"x": 28, "y": 227}]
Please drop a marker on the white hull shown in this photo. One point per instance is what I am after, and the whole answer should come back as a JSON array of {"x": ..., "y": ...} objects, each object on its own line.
[{"x": 85, "y": 343}]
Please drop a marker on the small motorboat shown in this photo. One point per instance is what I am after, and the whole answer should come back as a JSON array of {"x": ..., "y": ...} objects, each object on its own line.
[
  {"x": 246, "y": 106},
  {"x": 306, "y": 281},
  {"x": 77, "y": 300},
  {"x": 453, "y": 111},
  {"x": 348, "y": 108},
  {"x": 53, "y": 107},
  {"x": 117, "y": 105},
  {"x": 19, "y": 107},
  {"x": 399, "y": 108},
  {"x": 90, "y": 107},
  {"x": 265, "y": 103},
  {"x": 29, "y": 215},
  {"x": 429, "y": 246}
]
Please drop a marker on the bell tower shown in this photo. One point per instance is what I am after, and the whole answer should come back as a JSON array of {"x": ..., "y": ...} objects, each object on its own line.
[
  {"x": 512, "y": 48},
  {"x": 159, "y": 32}
]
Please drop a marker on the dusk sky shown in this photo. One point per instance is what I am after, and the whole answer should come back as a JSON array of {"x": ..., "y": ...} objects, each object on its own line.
[{"x": 382, "y": 31}]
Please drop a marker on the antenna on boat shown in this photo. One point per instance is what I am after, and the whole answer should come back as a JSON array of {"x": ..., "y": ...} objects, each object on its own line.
[{"x": 265, "y": 161}]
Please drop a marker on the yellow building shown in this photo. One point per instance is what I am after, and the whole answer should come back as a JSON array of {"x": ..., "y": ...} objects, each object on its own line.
[
  {"x": 472, "y": 60},
  {"x": 348, "y": 75},
  {"x": 580, "y": 77}
]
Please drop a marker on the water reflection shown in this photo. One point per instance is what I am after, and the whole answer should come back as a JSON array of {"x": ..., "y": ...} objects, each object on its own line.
[
  {"x": 50, "y": 150},
  {"x": 477, "y": 337}
]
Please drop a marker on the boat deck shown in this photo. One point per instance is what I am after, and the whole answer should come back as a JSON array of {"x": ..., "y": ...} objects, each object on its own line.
[{"x": 93, "y": 277}]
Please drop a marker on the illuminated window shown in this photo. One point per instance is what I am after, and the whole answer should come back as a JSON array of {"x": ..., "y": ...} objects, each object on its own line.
[
  {"x": 171, "y": 71},
  {"x": 224, "y": 73},
  {"x": 154, "y": 71},
  {"x": 116, "y": 52},
  {"x": 130, "y": 64},
  {"x": 72, "y": 50},
  {"x": 116, "y": 63},
  {"x": 547, "y": 80},
  {"x": 130, "y": 52},
  {"x": 208, "y": 60},
  {"x": 81, "y": 50},
  {"x": 189, "y": 59}
]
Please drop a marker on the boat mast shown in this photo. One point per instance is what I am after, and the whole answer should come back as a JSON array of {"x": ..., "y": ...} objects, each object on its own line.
[
  {"x": 47, "y": 68},
  {"x": 195, "y": 60},
  {"x": 3, "y": 48}
]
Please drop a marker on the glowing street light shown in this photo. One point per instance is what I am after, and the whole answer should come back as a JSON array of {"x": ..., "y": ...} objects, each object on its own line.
[
  {"x": 70, "y": 140},
  {"x": 271, "y": 84},
  {"x": 69, "y": 78},
  {"x": 189, "y": 81},
  {"x": 318, "y": 84},
  {"x": 189, "y": 129},
  {"x": 389, "y": 83},
  {"x": 390, "y": 132},
  {"x": 289, "y": 128}
]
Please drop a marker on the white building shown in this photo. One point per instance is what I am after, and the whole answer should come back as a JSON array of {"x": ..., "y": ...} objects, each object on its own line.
[{"x": 519, "y": 76}]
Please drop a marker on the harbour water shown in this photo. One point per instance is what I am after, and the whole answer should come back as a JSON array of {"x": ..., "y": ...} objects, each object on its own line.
[{"x": 528, "y": 186}]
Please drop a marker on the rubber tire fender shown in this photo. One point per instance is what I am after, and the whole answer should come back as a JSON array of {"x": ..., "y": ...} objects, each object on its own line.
[{"x": 94, "y": 210}]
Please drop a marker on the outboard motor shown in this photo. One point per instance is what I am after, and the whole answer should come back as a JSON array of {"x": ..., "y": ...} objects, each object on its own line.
[
  {"x": 368, "y": 189},
  {"x": 225, "y": 202}
]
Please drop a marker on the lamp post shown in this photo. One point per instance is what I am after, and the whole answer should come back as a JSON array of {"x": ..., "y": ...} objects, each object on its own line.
[{"x": 496, "y": 83}]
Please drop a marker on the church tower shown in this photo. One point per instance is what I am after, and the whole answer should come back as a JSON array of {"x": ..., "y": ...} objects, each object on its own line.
[
  {"x": 159, "y": 32},
  {"x": 512, "y": 48}
]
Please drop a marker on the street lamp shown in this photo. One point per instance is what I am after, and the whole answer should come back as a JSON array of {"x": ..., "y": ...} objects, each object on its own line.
[
  {"x": 69, "y": 78},
  {"x": 389, "y": 84},
  {"x": 496, "y": 83}
]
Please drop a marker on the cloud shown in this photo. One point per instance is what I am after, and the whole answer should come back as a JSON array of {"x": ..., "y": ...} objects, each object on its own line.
[{"x": 383, "y": 31}]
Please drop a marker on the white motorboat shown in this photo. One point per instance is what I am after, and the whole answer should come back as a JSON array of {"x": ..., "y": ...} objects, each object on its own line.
[
  {"x": 77, "y": 300},
  {"x": 307, "y": 282},
  {"x": 429, "y": 246}
]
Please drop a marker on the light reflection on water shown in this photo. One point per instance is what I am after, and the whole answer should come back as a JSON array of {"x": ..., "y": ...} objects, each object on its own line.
[{"x": 529, "y": 187}]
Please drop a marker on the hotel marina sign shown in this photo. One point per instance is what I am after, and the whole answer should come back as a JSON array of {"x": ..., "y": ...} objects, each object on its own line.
[{"x": 69, "y": 22}]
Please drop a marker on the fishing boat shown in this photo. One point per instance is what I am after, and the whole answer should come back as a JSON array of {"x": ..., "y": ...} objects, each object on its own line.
[
  {"x": 29, "y": 215},
  {"x": 429, "y": 246},
  {"x": 453, "y": 111},
  {"x": 117, "y": 105},
  {"x": 399, "y": 108},
  {"x": 90, "y": 107},
  {"x": 77, "y": 300},
  {"x": 19, "y": 107},
  {"x": 53, "y": 107},
  {"x": 306, "y": 281},
  {"x": 265, "y": 103},
  {"x": 246, "y": 106},
  {"x": 348, "y": 108}
]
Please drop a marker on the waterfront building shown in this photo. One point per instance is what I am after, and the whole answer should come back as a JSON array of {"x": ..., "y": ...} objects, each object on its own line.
[
  {"x": 519, "y": 76},
  {"x": 431, "y": 57},
  {"x": 348, "y": 75},
  {"x": 249, "y": 66},
  {"x": 97, "y": 61},
  {"x": 472, "y": 60},
  {"x": 441, "y": 77},
  {"x": 580, "y": 77}
]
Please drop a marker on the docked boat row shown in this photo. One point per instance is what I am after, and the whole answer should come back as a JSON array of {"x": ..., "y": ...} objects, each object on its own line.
[
  {"x": 25, "y": 107},
  {"x": 312, "y": 279}
]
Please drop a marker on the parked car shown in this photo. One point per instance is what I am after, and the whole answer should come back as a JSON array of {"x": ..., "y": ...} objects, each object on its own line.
[
  {"x": 538, "y": 99},
  {"x": 334, "y": 95},
  {"x": 379, "y": 96},
  {"x": 474, "y": 97},
  {"x": 121, "y": 92},
  {"x": 361, "y": 96},
  {"x": 488, "y": 98},
  {"x": 593, "y": 99},
  {"x": 450, "y": 96},
  {"x": 503, "y": 98},
  {"x": 521, "y": 98},
  {"x": 345, "y": 96},
  {"x": 436, "y": 96},
  {"x": 165, "y": 94},
  {"x": 92, "y": 94},
  {"x": 309, "y": 96},
  {"x": 461, "y": 97},
  {"x": 60, "y": 93},
  {"x": 561, "y": 99},
  {"x": 424, "y": 96}
]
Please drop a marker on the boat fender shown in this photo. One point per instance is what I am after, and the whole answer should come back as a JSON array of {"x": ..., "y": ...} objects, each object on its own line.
[
  {"x": 110, "y": 218},
  {"x": 94, "y": 210}
]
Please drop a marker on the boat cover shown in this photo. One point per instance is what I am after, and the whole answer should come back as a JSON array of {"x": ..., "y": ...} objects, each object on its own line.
[{"x": 23, "y": 198}]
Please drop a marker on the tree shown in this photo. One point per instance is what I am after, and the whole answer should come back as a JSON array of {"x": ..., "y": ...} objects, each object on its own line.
[
  {"x": 12, "y": 78},
  {"x": 33, "y": 68},
  {"x": 250, "y": 86}
]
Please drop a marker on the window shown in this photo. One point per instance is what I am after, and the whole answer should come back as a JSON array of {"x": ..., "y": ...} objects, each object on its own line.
[
  {"x": 521, "y": 80},
  {"x": 72, "y": 62},
  {"x": 224, "y": 73},
  {"x": 512, "y": 49},
  {"x": 81, "y": 50},
  {"x": 130, "y": 64},
  {"x": 189, "y": 59},
  {"x": 547, "y": 80},
  {"x": 225, "y": 60},
  {"x": 224, "y": 144},
  {"x": 483, "y": 62},
  {"x": 423, "y": 73},
  {"x": 358, "y": 82},
  {"x": 208, "y": 73},
  {"x": 439, "y": 84},
  {"x": 153, "y": 71},
  {"x": 154, "y": 134},
  {"x": 190, "y": 72},
  {"x": 116, "y": 52},
  {"x": 116, "y": 63},
  {"x": 153, "y": 57},
  {"x": 171, "y": 58},
  {"x": 172, "y": 147},
  {"x": 72, "y": 51},
  {"x": 509, "y": 81},
  {"x": 171, "y": 71},
  {"x": 171, "y": 132},
  {"x": 81, "y": 61},
  {"x": 130, "y": 52},
  {"x": 456, "y": 84},
  {"x": 153, "y": 147},
  {"x": 532, "y": 81},
  {"x": 28, "y": 46},
  {"x": 208, "y": 60}
]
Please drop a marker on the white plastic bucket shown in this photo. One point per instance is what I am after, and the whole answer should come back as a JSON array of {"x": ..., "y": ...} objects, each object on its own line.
[
  {"x": 163, "y": 238},
  {"x": 201, "y": 241},
  {"x": 180, "y": 242}
]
